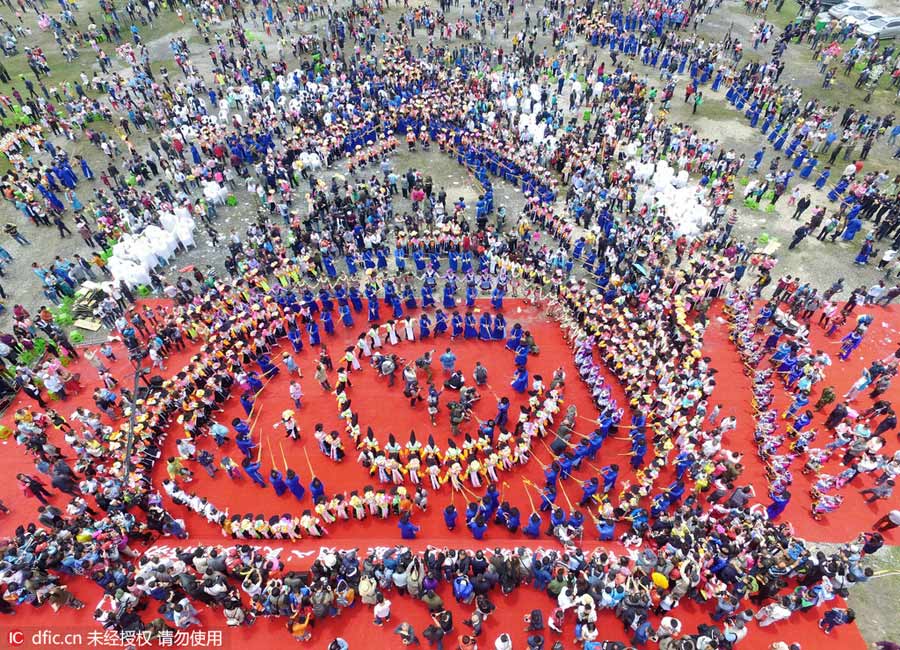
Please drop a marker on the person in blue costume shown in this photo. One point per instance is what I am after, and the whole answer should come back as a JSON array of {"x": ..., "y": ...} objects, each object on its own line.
[
  {"x": 471, "y": 295},
  {"x": 328, "y": 322},
  {"x": 400, "y": 259},
  {"x": 467, "y": 262},
  {"x": 449, "y": 300},
  {"x": 801, "y": 422},
  {"x": 277, "y": 481},
  {"x": 609, "y": 473},
  {"x": 346, "y": 315},
  {"x": 316, "y": 489},
  {"x": 409, "y": 297},
  {"x": 779, "y": 142},
  {"x": 396, "y": 307},
  {"x": 782, "y": 354},
  {"x": 588, "y": 489},
  {"x": 862, "y": 258},
  {"x": 477, "y": 527},
  {"x": 731, "y": 94},
  {"x": 502, "y": 416},
  {"x": 312, "y": 328},
  {"x": 498, "y": 332},
  {"x": 754, "y": 118},
  {"x": 266, "y": 366},
  {"x": 853, "y": 226},
  {"x": 491, "y": 498},
  {"x": 419, "y": 261},
  {"x": 86, "y": 170},
  {"x": 381, "y": 259},
  {"x": 295, "y": 485},
  {"x": 484, "y": 327},
  {"x": 799, "y": 402},
  {"x": 772, "y": 340},
  {"x": 407, "y": 529},
  {"x": 427, "y": 297},
  {"x": 683, "y": 462},
  {"x": 456, "y": 325},
  {"x": 450, "y": 517},
  {"x": 424, "y": 326},
  {"x": 245, "y": 444},
  {"x": 252, "y": 470},
  {"x": 340, "y": 294},
  {"x": 779, "y": 503},
  {"x": 659, "y": 504},
  {"x": 520, "y": 380},
  {"x": 440, "y": 322},
  {"x": 390, "y": 292},
  {"x": 513, "y": 520},
  {"x": 471, "y": 330},
  {"x": 606, "y": 530},
  {"x": 521, "y": 358},
  {"x": 328, "y": 263},
  {"x": 374, "y": 315},
  {"x": 823, "y": 178},
  {"x": 598, "y": 437},
  {"x": 551, "y": 474},
  {"x": 256, "y": 384},
  {"x": 533, "y": 528},
  {"x": 578, "y": 250},
  {"x": 351, "y": 264},
  {"x": 310, "y": 303},
  {"x": 557, "y": 518},
  {"x": 497, "y": 298},
  {"x": 576, "y": 521},
  {"x": 471, "y": 511},
  {"x": 325, "y": 300},
  {"x": 808, "y": 168},
  {"x": 849, "y": 343},
  {"x": 515, "y": 336},
  {"x": 356, "y": 300}
]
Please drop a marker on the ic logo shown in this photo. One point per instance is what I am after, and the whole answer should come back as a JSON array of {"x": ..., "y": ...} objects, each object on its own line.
[{"x": 15, "y": 638}]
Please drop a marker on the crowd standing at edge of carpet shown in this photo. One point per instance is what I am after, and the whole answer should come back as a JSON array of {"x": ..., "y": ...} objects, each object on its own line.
[{"x": 636, "y": 308}]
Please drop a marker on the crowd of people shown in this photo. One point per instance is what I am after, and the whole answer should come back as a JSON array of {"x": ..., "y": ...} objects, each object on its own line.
[{"x": 629, "y": 285}]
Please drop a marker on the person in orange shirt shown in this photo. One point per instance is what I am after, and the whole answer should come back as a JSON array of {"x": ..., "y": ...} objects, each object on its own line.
[
  {"x": 298, "y": 625},
  {"x": 466, "y": 642}
]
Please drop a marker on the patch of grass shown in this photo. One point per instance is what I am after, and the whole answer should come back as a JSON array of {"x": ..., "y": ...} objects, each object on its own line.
[
  {"x": 717, "y": 109},
  {"x": 868, "y": 599},
  {"x": 783, "y": 18}
]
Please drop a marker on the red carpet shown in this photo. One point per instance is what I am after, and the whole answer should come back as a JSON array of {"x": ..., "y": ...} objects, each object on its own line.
[
  {"x": 386, "y": 411},
  {"x": 855, "y": 515}
]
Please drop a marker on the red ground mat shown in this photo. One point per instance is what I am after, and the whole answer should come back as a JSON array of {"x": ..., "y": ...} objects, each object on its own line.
[
  {"x": 733, "y": 391},
  {"x": 386, "y": 411}
]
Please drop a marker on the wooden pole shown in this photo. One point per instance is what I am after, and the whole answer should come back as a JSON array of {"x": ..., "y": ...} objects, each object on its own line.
[
  {"x": 312, "y": 472},
  {"x": 528, "y": 494},
  {"x": 272, "y": 456},
  {"x": 283, "y": 457}
]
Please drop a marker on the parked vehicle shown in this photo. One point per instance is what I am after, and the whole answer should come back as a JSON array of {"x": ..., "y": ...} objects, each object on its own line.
[
  {"x": 885, "y": 27},
  {"x": 851, "y": 11}
]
